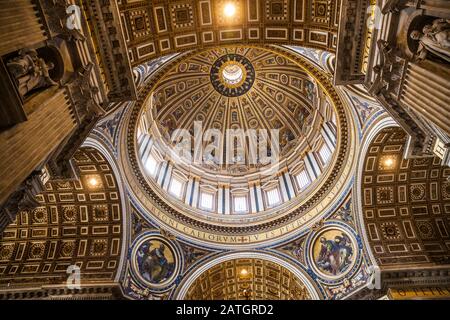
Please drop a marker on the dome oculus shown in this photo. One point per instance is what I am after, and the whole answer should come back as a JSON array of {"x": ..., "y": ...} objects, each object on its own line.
[{"x": 232, "y": 75}]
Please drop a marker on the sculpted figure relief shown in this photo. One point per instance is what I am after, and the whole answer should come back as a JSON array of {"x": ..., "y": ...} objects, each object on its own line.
[
  {"x": 434, "y": 39},
  {"x": 21, "y": 65},
  {"x": 30, "y": 71}
]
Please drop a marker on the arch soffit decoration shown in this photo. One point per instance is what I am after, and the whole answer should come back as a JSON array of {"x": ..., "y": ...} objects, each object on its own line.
[
  {"x": 381, "y": 123},
  {"x": 93, "y": 142},
  {"x": 404, "y": 203},
  {"x": 313, "y": 289},
  {"x": 54, "y": 246}
]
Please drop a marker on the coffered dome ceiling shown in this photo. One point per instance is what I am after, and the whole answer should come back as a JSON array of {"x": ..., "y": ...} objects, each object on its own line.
[
  {"x": 215, "y": 195},
  {"x": 240, "y": 88}
]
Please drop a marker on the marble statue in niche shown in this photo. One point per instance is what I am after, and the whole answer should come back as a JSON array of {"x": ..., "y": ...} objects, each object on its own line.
[
  {"x": 30, "y": 71},
  {"x": 434, "y": 39},
  {"x": 156, "y": 261}
]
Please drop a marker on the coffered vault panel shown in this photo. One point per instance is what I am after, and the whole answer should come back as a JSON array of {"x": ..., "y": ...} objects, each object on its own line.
[
  {"x": 78, "y": 223},
  {"x": 154, "y": 28},
  {"x": 406, "y": 204},
  {"x": 247, "y": 278}
]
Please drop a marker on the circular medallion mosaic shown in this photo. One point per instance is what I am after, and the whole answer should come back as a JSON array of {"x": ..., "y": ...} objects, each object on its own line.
[
  {"x": 232, "y": 75},
  {"x": 155, "y": 261},
  {"x": 334, "y": 252}
]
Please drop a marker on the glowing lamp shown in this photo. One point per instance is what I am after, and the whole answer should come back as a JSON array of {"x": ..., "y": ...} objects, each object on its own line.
[
  {"x": 93, "y": 182},
  {"x": 229, "y": 10},
  {"x": 244, "y": 272},
  {"x": 389, "y": 162}
]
